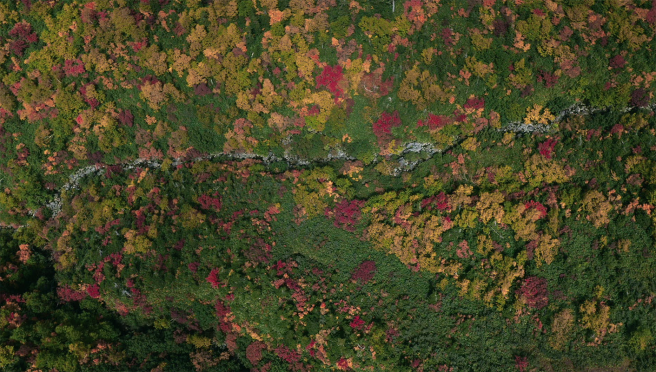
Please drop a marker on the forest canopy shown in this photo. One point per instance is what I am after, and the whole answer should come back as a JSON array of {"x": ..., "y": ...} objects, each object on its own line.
[{"x": 276, "y": 185}]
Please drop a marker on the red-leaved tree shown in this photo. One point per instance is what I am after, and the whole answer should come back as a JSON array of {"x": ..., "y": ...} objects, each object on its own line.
[
  {"x": 365, "y": 272},
  {"x": 439, "y": 201},
  {"x": 287, "y": 355},
  {"x": 357, "y": 323},
  {"x": 73, "y": 67},
  {"x": 330, "y": 77},
  {"x": 254, "y": 352},
  {"x": 434, "y": 122},
  {"x": 475, "y": 103},
  {"x": 537, "y": 205},
  {"x": 23, "y": 37},
  {"x": 521, "y": 363},
  {"x": 546, "y": 148},
  {"x": 67, "y": 294},
  {"x": 213, "y": 278},
  {"x": 346, "y": 214},
  {"x": 383, "y": 127},
  {"x": 93, "y": 291},
  {"x": 210, "y": 202},
  {"x": 534, "y": 291}
]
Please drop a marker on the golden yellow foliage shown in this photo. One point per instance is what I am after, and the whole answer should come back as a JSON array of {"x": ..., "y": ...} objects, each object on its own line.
[
  {"x": 546, "y": 250},
  {"x": 173, "y": 92},
  {"x": 198, "y": 74},
  {"x": 479, "y": 41},
  {"x": 485, "y": 245},
  {"x": 153, "y": 94},
  {"x": 461, "y": 196},
  {"x": 243, "y": 102},
  {"x": 596, "y": 317},
  {"x": 522, "y": 76},
  {"x": 238, "y": 138},
  {"x": 276, "y": 15},
  {"x": 77, "y": 147},
  {"x": 627, "y": 30},
  {"x": 191, "y": 218},
  {"x": 8, "y": 15},
  {"x": 539, "y": 169},
  {"x": 534, "y": 116},
  {"x": 313, "y": 193},
  {"x": 136, "y": 244},
  {"x": 434, "y": 227},
  {"x": 99, "y": 60},
  {"x": 214, "y": 53},
  {"x": 285, "y": 43},
  {"x": 519, "y": 42},
  {"x": 508, "y": 138},
  {"x": 180, "y": 62},
  {"x": 305, "y": 66},
  {"x": 277, "y": 122},
  {"x": 464, "y": 286},
  {"x": 408, "y": 93},
  {"x": 470, "y": 144},
  {"x": 634, "y": 161},
  {"x": 267, "y": 99},
  {"x": 325, "y": 102},
  {"x": 508, "y": 279},
  {"x": 505, "y": 271},
  {"x": 197, "y": 34},
  {"x": 635, "y": 121},
  {"x": 479, "y": 68},
  {"x": 490, "y": 207},
  {"x": 523, "y": 224},
  {"x": 427, "y": 55},
  {"x": 422, "y": 88},
  {"x": 547, "y": 47},
  {"x": 124, "y": 23},
  {"x": 449, "y": 268},
  {"x": 412, "y": 239},
  {"x": 561, "y": 329},
  {"x": 466, "y": 219},
  {"x": 433, "y": 184},
  {"x": 222, "y": 9},
  {"x": 477, "y": 288},
  {"x": 623, "y": 245},
  {"x": 598, "y": 207},
  {"x": 302, "y": 6},
  {"x": 268, "y": 4},
  {"x": 41, "y": 136},
  {"x": 67, "y": 257},
  {"x": 199, "y": 341},
  {"x": 178, "y": 140},
  {"x": 352, "y": 169}
]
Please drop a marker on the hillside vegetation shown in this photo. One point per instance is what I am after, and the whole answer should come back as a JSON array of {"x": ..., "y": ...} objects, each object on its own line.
[{"x": 520, "y": 239}]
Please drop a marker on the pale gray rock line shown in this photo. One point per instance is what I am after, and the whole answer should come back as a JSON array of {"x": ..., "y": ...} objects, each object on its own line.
[{"x": 404, "y": 165}]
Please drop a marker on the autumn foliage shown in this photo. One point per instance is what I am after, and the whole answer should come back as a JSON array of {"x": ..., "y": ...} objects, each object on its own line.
[
  {"x": 214, "y": 185},
  {"x": 534, "y": 291},
  {"x": 346, "y": 214},
  {"x": 365, "y": 272},
  {"x": 330, "y": 78},
  {"x": 383, "y": 126}
]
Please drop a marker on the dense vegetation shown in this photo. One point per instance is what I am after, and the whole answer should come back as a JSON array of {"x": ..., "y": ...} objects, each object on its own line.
[{"x": 501, "y": 250}]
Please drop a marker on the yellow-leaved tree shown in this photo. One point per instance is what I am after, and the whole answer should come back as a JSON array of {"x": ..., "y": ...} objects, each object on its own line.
[{"x": 153, "y": 94}]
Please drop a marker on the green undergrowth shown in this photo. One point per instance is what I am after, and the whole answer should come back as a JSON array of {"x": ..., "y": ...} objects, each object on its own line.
[
  {"x": 107, "y": 82},
  {"x": 507, "y": 252}
]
